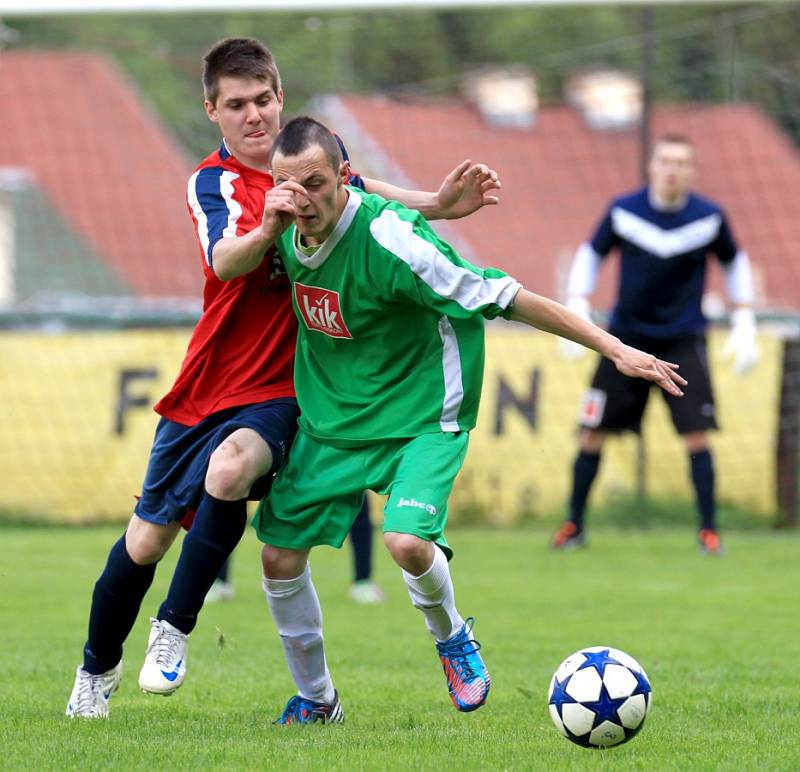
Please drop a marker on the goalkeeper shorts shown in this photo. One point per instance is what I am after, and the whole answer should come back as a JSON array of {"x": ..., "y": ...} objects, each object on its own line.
[{"x": 615, "y": 403}]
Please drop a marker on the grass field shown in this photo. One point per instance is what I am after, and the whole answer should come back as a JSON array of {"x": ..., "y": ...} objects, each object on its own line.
[{"x": 719, "y": 639}]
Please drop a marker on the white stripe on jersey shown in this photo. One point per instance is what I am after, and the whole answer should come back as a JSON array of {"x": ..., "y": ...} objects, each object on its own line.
[
  {"x": 453, "y": 383},
  {"x": 739, "y": 279},
  {"x": 583, "y": 273},
  {"x": 470, "y": 290},
  {"x": 234, "y": 208},
  {"x": 665, "y": 243}
]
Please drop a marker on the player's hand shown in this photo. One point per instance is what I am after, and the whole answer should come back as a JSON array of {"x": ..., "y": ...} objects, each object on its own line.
[
  {"x": 742, "y": 343},
  {"x": 569, "y": 349},
  {"x": 466, "y": 189},
  {"x": 637, "y": 364},
  {"x": 280, "y": 208}
]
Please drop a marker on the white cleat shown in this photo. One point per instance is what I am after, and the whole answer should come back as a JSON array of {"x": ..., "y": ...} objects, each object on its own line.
[
  {"x": 91, "y": 693},
  {"x": 220, "y": 592},
  {"x": 165, "y": 661},
  {"x": 366, "y": 592}
]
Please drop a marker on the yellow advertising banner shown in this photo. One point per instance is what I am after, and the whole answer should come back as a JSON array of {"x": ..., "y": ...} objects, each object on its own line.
[
  {"x": 77, "y": 424},
  {"x": 77, "y": 420},
  {"x": 521, "y": 455}
]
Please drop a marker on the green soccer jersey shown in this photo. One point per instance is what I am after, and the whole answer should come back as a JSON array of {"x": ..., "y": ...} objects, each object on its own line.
[{"x": 390, "y": 340}]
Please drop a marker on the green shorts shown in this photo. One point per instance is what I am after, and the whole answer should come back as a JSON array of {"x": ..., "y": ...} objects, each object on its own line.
[{"x": 316, "y": 496}]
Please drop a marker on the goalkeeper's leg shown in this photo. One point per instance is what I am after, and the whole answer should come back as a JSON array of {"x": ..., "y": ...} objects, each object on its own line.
[{"x": 701, "y": 465}]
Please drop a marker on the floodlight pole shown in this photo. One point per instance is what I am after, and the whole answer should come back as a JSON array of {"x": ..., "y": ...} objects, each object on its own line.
[{"x": 646, "y": 60}]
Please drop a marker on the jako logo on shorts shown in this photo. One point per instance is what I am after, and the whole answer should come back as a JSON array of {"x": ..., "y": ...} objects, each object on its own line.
[
  {"x": 321, "y": 311},
  {"x": 429, "y": 508}
]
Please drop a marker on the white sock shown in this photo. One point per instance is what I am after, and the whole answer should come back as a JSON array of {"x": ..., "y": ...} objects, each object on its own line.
[
  {"x": 295, "y": 608},
  {"x": 432, "y": 593}
]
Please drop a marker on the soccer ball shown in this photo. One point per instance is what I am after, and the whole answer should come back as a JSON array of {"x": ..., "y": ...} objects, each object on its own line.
[{"x": 599, "y": 697}]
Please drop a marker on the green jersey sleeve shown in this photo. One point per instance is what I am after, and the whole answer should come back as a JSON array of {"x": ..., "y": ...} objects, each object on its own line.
[{"x": 428, "y": 271}]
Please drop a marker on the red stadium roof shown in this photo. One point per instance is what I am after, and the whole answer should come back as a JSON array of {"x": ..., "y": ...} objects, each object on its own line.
[
  {"x": 558, "y": 177},
  {"x": 84, "y": 135}
]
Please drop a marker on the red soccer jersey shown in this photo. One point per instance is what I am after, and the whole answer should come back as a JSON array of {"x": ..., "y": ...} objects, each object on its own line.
[{"x": 242, "y": 349}]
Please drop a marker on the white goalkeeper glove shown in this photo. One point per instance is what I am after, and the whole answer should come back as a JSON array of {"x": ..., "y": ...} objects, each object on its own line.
[
  {"x": 742, "y": 343},
  {"x": 579, "y": 305}
]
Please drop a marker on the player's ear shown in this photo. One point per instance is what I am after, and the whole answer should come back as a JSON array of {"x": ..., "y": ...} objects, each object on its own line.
[
  {"x": 211, "y": 111},
  {"x": 344, "y": 172}
]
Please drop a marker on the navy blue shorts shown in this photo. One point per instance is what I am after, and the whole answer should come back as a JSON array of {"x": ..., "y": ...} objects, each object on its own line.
[{"x": 176, "y": 472}]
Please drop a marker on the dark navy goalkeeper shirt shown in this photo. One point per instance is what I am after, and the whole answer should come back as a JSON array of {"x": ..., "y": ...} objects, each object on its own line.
[{"x": 663, "y": 262}]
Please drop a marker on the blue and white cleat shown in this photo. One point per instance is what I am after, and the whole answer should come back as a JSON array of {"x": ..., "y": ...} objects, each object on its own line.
[
  {"x": 165, "y": 661},
  {"x": 302, "y": 711},
  {"x": 468, "y": 679},
  {"x": 91, "y": 693}
]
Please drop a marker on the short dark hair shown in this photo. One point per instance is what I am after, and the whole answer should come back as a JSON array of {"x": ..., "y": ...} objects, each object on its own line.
[
  {"x": 302, "y": 132},
  {"x": 238, "y": 58},
  {"x": 674, "y": 138}
]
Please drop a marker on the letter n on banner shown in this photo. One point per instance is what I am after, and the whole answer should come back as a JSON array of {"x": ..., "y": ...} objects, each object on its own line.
[{"x": 526, "y": 405}]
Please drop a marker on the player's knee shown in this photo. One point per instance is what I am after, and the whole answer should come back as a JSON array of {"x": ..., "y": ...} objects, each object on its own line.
[
  {"x": 591, "y": 440},
  {"x": 148, "y": 543},
  {"x": 409, "y": 551},
  {"x": 228, "y": 477},
  {"x": 279, "y": 563},
  {"x": 696, "y": 442}
]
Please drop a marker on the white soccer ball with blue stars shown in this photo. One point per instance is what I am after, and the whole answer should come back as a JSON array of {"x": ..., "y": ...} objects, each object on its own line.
[{"x": 599, "y": 697}]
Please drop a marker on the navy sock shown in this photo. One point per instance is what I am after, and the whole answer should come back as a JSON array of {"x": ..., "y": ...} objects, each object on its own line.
[
  {"x": 116, "y": 601},
  {"x": 584, "y": 470},
  {"x": 218, "y": 527},
  {"x": 361, "y": 542},
  {"x": 702, "y": 466}
]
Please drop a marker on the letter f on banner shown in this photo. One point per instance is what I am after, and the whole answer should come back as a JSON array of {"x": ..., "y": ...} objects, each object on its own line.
[{"x": 126, "y": 400}]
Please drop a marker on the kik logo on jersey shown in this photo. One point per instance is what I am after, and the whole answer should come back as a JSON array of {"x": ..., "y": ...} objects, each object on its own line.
[{"x": 321, "y": 311}]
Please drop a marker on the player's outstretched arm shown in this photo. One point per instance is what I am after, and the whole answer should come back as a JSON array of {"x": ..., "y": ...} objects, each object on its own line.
[
  {"x": 547, "y": 315},
  {"x": 463, "y": 191},
  {"x": 237, "y": 255}
]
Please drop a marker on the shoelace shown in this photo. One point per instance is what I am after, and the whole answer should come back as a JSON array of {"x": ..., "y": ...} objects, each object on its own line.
[
  {"x": 165, "y": 647},
  {"x": 295, "y": 706},
  {"x": 292, "y": 707},
  {"x": 88, "y": 686},
  {"x": 460, "y": 650}
]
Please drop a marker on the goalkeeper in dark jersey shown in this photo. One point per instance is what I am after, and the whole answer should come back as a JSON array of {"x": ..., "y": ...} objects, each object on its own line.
[
  {"x": 664, "y": 234},
  {"x": 388, "y": 373}
]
